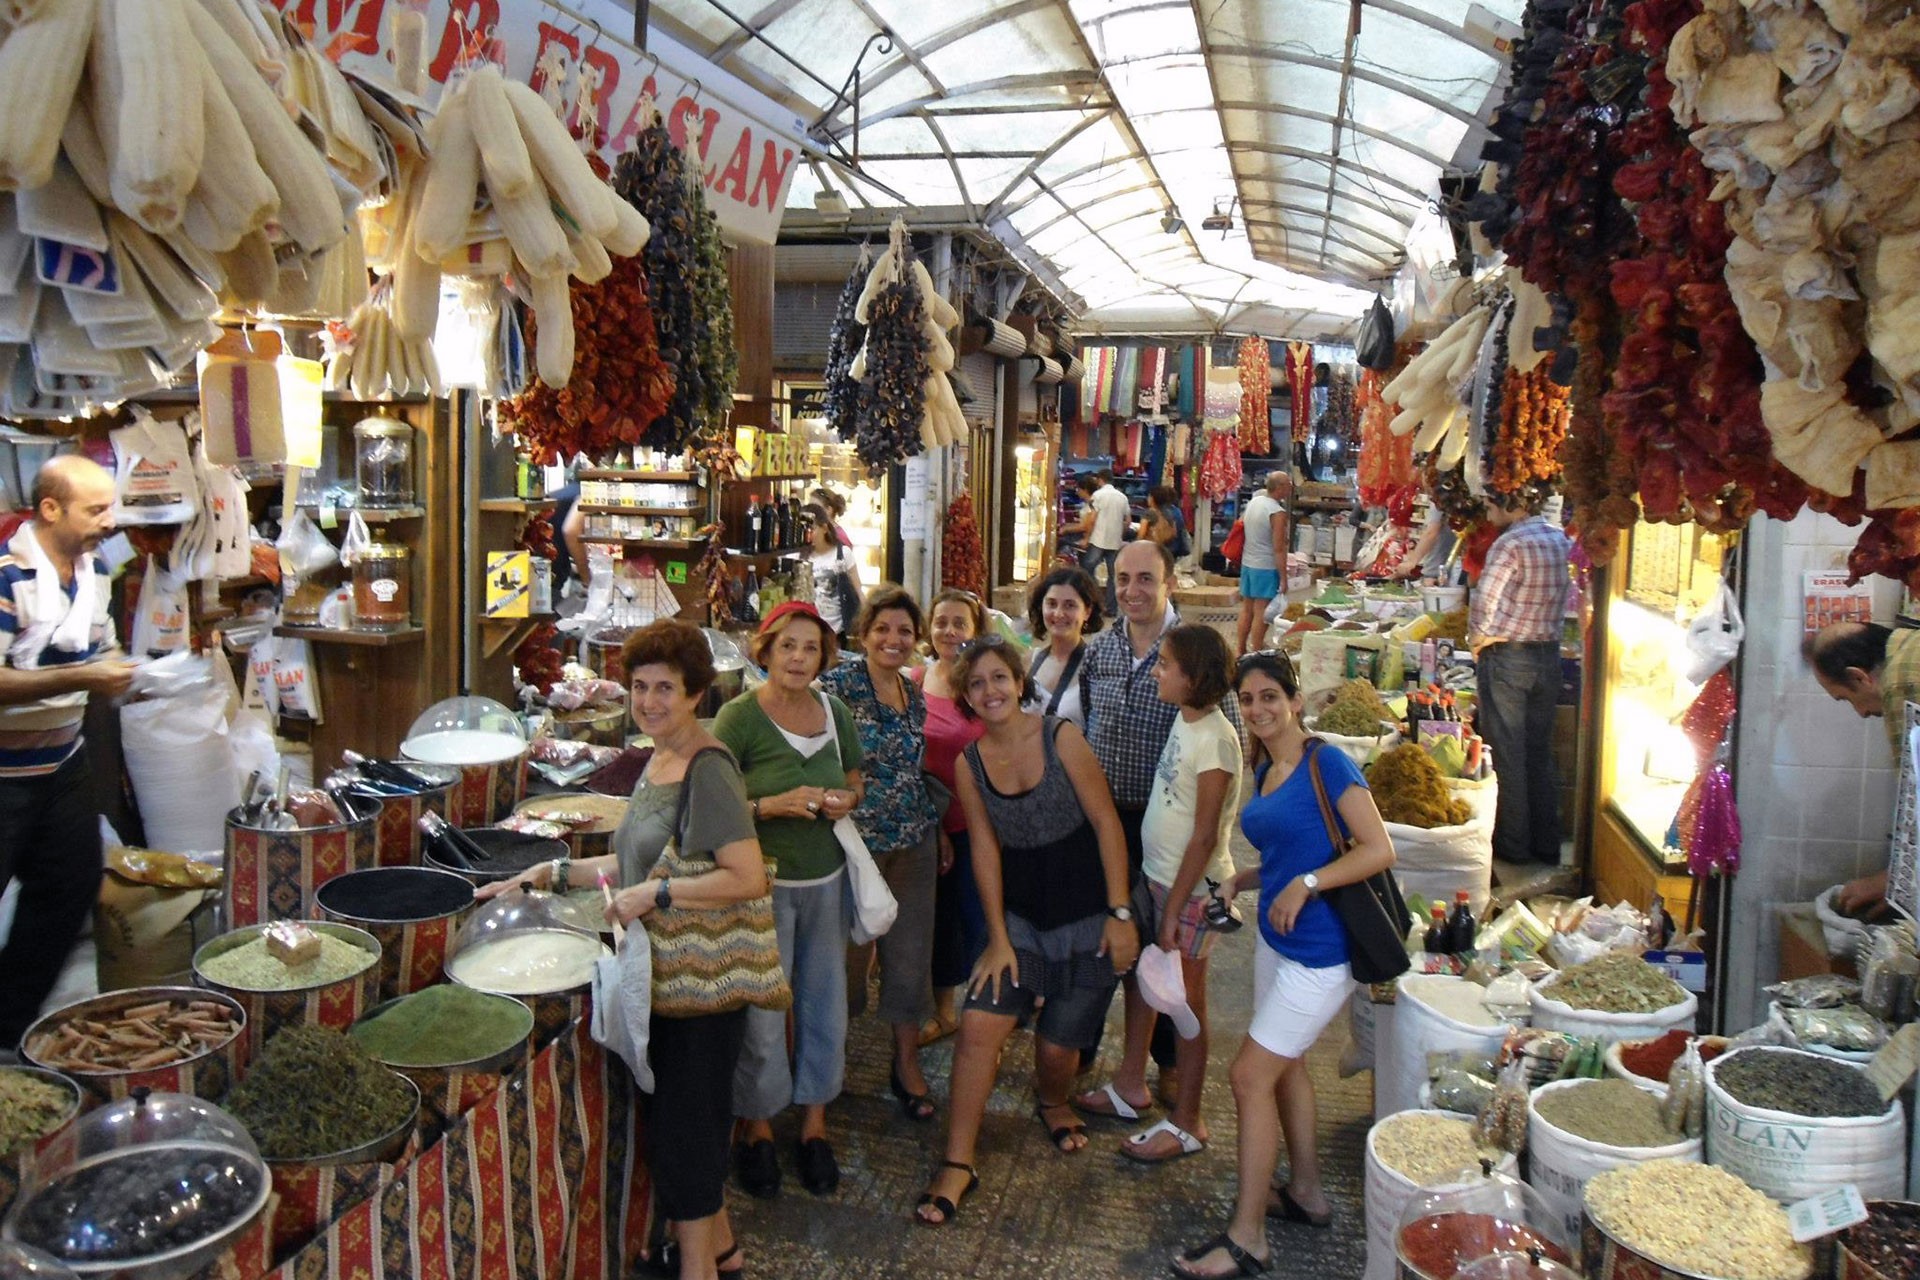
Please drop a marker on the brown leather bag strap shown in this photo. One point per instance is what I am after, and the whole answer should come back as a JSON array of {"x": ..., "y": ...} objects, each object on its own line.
[{"x": 1336, "y": 838}]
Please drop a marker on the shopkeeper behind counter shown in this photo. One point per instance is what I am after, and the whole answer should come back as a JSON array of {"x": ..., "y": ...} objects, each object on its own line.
[
  {"x": 1871, "y": 668},
  {"x": 56, "y": 647}
]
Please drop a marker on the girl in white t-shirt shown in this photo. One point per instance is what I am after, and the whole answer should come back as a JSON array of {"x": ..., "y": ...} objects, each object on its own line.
[{"x": 1196, "y": 792}]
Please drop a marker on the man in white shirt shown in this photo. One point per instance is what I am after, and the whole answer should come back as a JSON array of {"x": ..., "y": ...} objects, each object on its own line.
[
  {"x": 1264, "y": 557},
  {"x": 1103, "y": 523}
]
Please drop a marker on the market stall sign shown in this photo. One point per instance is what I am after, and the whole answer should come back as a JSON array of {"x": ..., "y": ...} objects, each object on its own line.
[{"x": 747, "y": 162}]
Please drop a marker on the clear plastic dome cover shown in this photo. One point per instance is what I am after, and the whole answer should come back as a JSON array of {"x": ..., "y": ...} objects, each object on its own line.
[
  {"x": 465, "y": 730},
  {"x": 1532, "y": 1265},
  {"x": 727, "y": 653},
  {"x": 1444, "y": 1230},
  {"x": 154, "y": 1184},
  {"x": 526, "y": 943},
  {"x": 19, "y": 1262}
]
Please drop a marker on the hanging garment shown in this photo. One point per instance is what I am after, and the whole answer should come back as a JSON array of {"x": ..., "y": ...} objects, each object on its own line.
[
  {"x": 1300, "y": 387},
  {"x": 1256, "y": 374}
]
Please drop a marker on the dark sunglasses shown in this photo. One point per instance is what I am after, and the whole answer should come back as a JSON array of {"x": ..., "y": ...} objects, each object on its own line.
[{"x": 1275, "y": 662}]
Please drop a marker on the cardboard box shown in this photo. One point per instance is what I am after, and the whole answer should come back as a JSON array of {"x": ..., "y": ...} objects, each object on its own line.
[{"x": 509, "y": 584}]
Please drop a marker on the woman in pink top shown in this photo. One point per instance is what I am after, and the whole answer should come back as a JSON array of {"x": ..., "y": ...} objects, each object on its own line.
[{"x": 959, "y": 924}]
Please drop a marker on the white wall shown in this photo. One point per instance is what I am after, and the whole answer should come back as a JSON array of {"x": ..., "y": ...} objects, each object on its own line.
[{"x": 1814, "y": 781}]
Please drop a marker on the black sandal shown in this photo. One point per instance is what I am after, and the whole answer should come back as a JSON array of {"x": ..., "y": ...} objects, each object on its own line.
[
  {"x": 1245, "y": 1261},
  {"x": 915, "y": 1106},
  {"x": 1287, "y": 1209},
  {"x": 666, "y": 1261},
  {"x": 729, "y": 1256},
  {"x": 1060, "y": 1133},
  {"x": 948, "y": 1208}
]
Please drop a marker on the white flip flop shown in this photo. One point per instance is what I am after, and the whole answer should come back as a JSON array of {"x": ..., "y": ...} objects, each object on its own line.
[
  {"x": 1122, "y": 1109},
  {"x": 1189, "y": 1145}
]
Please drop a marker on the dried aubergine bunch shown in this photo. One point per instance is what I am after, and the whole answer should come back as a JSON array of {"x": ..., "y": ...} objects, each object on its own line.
[
  {"x": 896, "y": 371},
  {"x": 845, "y": 394},
  {"x": 713, "y": 298},
  {"x": 652, "y": 178}
]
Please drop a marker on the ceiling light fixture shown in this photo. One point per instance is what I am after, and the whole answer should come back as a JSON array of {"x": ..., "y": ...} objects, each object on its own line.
[
  {"x": 1173, "y": 224},
  {"x": 1220, "y": 220}
]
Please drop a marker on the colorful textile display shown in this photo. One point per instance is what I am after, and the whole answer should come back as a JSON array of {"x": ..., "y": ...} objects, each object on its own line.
[
  {"x": 1256, "y": 378},
  {"x": 1300, "y": 387},
  {"x": 1223, "y": 398},
  {"x": 1386, "y": 460},
  {"x": 1220, "y": 466}
]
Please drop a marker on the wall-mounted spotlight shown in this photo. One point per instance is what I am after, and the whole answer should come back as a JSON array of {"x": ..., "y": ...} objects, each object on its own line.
[{"x": 1173, "y": 224}]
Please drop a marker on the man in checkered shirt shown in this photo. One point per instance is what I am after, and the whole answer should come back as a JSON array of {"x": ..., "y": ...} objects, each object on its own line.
[{"x": 1519, "y": 609}]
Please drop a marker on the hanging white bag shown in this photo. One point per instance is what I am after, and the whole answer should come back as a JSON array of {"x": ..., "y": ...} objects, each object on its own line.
[
  {"x": 160, "y": 617},
  {"x": 874, "y": 906},
  {"x": 153, "y": 472},
  {"x": 180, "y": 762},
  {"x": 1713, "y": 638}
]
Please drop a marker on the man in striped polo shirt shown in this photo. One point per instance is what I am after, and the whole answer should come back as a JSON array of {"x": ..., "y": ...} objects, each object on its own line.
[{"x": 56, "y": 648}]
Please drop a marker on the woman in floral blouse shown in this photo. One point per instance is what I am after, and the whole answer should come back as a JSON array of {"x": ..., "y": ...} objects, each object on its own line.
[{"x": 899, "y": 824}]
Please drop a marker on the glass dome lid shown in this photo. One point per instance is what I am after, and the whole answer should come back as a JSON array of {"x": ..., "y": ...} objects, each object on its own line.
[
  {"x": 20, "y": 1262},
  {"x": 467, "y": 730},
  {"x": 156, "y": 1184},
  {"x": 727, "y": 653},
  {"x": 1444, "y": 1230},
  {"x": 526, "y": 943}
]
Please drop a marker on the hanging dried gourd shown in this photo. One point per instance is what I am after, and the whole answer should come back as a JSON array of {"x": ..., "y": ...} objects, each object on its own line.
[
  {"x": 653, "y": 178},
  {"x": 1256, "y": 379}
]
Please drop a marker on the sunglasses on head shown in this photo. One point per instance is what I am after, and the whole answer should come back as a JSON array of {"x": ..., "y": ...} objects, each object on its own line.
[{"x": 1270, "y": 659}]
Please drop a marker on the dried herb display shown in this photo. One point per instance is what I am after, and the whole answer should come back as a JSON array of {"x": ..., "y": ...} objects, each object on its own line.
[
  {"x": 1614, "y": 1112},
  {"x": 1617, "y": 982},
  {"x": 1256, "y": 380},
  {"x": 653, "y": 178},
  {"x": 1409, "y": 790},
  {"x": 251, "y": 966},
  {"x": 1355, "y": 712},
  {"x": 1802, "y": 1084},
  {"x": 963, "y": 562},
  {"x": 30, "y": 1108},
  {"x": 443, "y": 1025},
  {"x": 314, "y": 1092}
]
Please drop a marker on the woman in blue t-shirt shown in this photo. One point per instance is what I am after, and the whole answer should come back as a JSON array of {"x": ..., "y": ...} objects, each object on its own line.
[{"x": 1301, "y": 978}]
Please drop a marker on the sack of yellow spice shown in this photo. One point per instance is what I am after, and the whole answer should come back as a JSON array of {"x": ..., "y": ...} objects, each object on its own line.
[{"x": 1408, "y": 789}]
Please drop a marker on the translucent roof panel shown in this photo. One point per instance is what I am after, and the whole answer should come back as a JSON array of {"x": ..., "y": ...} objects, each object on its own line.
[{"x": 1074, "y": 127}]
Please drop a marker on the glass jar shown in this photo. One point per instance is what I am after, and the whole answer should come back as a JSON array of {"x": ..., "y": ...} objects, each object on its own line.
[
  {"x": 383, "y": 462},
  {"x": 382, "y": 588}
]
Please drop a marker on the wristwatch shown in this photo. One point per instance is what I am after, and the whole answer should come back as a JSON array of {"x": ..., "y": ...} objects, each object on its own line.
[
  {"x": 1312, "y": 883},
  {"x": 1122, "y": 914},
  {"x": 663, "y": 896}
]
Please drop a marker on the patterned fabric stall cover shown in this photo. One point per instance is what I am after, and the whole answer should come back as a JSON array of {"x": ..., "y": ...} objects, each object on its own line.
[{"x": 271, "y": 875}]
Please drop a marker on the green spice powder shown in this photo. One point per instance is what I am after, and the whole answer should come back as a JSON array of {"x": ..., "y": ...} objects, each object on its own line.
[
  {"x": 315, "y": 1093},
  {"x": 441, "y": 1026}
]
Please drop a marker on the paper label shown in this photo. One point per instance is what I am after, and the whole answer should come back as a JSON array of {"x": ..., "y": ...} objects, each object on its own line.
[
  {"x": 1826, "y": 1213},
  {"x": 1688, "y": 968},
  {"x": 1896, "y": 1061}
]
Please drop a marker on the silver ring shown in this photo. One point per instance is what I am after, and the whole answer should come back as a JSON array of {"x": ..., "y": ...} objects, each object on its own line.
[{"x": 812, "y": 807}]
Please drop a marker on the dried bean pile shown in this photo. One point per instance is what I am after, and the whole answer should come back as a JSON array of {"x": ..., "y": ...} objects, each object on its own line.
[{"x": 1799, "y": 1083}]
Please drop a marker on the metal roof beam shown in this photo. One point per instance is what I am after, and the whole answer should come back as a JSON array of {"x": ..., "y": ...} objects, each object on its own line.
[
  {"x": 1276, "y": 53},
  {"x": 997, "y": 206},
  {"x": 1033, "y": 80},
  {"x": 1317, "y": 215},
  {"x": 1296, "y": 153},
  {"x": 940, "y": 40},
  {"x": 1332, "y": 237},
  {"x": 1261, "y": 202},
  {"x": 959, "y": 183},
  {"x": 761, "y": 21},
  {"x": 1316, "y": 117}
]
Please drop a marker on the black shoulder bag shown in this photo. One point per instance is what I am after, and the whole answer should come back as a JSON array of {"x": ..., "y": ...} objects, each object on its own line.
[{"x": 1372, "y": 911}]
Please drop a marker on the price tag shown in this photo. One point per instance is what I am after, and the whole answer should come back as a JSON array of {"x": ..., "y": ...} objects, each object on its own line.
[
  {"x": 329, "y": 516},
  {"x": 1826, "y": 1213},
  {"x": 1896, "y": 1061}
]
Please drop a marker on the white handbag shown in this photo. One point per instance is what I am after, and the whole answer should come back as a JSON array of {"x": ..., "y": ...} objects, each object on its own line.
[{"x": 874, "y": 906}]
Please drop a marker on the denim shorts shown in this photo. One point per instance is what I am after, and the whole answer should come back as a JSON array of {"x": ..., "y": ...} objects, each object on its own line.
[
  {"x": 1259, "y": 584},
  {"x": 1072, "y": 1019}
]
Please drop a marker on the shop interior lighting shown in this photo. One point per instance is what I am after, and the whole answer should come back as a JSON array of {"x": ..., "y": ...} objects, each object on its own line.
[{"x": 1173, "y": 224}]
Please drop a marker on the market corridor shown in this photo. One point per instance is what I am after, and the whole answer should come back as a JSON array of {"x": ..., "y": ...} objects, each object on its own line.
[{"x": 1039, "y": 1213}]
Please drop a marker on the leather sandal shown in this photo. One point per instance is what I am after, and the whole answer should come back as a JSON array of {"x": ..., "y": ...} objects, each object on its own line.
[
  {"x": 948, "y": 1208},
  {"x": 1248, "y": 1264}
]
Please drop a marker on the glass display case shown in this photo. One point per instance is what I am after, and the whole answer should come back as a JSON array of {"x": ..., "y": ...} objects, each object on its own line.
[
  {"x": 465, "y": 730},
  {"x": 1665, "y": 577},
  {"x": 1033, "y": 507},
  {"x": 838, "y": 468}
]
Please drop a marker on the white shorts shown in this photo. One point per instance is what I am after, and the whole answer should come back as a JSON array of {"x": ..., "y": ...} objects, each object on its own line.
[{"x": 1293, "y": 1004}]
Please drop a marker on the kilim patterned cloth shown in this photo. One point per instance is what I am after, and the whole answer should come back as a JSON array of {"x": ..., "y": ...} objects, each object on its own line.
[{"x": 541, "y": 1178}]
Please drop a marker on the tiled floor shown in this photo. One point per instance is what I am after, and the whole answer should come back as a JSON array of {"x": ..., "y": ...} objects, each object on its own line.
[{"x": 1039, "y": 1213}]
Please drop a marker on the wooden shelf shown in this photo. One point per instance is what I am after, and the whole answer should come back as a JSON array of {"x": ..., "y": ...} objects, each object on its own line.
[
  {"x": 798, "y": 475},
  {"x": 373, "y": 515},
  {"x": 641, "y": 477},
  {"x": 665, "y": 544},
  {"x": 510, "y": 633},
  {"x": 601, "y": 509},
  {"x": 367, "y": 639},
  {"x": 246, "y": 583},
  {"x": 515, "y": 506},
  {"x": 764, "y": 557}
]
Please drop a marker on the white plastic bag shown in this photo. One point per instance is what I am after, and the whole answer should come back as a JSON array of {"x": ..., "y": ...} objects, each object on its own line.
[
  {"x": 874, "y": 906},
  {"x": 1713, "y": 638},
  {"x": 180, "y": 761},
  {"x": 303, "y": 548},
  {"x": 262, "y": 692},
  {"x": 160, "y": 617},
  {"x": 153, "y": 472},
  {"x": 357, "y": 539},
  {"x": 623, "y": 1003},
  {"x": 293, "y": 678}
]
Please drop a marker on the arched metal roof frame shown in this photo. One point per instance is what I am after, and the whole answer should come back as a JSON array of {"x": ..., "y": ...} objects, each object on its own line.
[{"x": 1334, "y": 213}]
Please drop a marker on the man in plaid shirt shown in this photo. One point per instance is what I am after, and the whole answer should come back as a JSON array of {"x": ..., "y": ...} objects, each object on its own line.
[
  {"x": 1128, "y": 725},
  {"x": 1519, "y": 609}
]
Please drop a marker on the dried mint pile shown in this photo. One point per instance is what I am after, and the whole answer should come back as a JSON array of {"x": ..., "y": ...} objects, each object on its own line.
[
  {"x": 1798, "y": 1083},
  {"x": 314, "y": 1092}
]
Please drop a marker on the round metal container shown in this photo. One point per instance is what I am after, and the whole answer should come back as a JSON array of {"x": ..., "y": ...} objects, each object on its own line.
[
  {"x": 384, "y": 1149},
  {"x": 396, "y": 819},
  {"x": 594, "y": 839},
  {"x": 207, "y": 1074},
  {"x": 17, "y": 1165},
  {"x": 1602, "y": 1255},
  {"x": 534, "y": 850},
  {"x": 490, "y": 1063},
  {"x": 272, "y": 875},
  {"x": 602, "y": 726},
  {"x": 413, "y": 951},
  {"x": 1495, "y": 1235},
  {"x": 488, "y": 788},
  {"x": 336, "y": 1004}
]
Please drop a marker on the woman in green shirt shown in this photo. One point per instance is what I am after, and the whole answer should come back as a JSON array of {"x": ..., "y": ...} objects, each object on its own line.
[{"x": 799, "y": 751}]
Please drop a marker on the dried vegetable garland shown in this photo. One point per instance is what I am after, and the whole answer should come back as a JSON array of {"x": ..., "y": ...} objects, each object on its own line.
[
  {"x": 622, "y": 382},
  {"x": 1524, "y": 457},
  {"x": 896, "y": 374},
  {"x": 1386, "y": 460},
  {"x": 713, "y": 297},
  {"x": 846, "y": 395},
  {"x": 536, "y": 663},
  {"x": 653, "y": 178},
  {"x": 963, "y": 561},
  {"x": 1256, "y": 378},
  {"x": 1599, "y": 482},
  {"x": 713, "y": 571}
]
